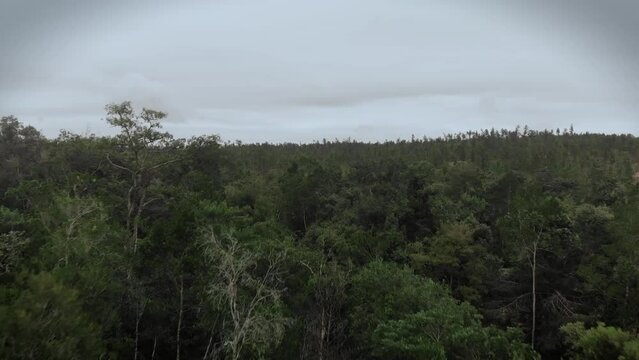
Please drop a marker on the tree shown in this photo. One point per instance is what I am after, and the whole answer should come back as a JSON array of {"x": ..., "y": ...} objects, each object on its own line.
[
  {"x": 12, "y": 244},
  {"x": 13, "y": 240},
  {"x": 75, "y": 226},
  {"x": 538, "y": 231},
  {"x": 456, "y": 256},
  {"x": 450, "y": 331},
  {"x": 143, "y": 150},
  {"x": 398, "y": 315},
  {"x": 21, "y": 148},
  {"x": 325, "y": 323},
  {"x": 302, "y": 188},
  {"x": 46, "y": 321},
  {"x": 248, "y": 289},
  {"x": 600, "y": 342}
]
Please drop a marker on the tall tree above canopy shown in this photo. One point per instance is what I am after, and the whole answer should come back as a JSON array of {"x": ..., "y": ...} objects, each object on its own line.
[
  {"x": 140, "y": 132},
  {"x": 142, "y": 151},
  {"x": 21, "y": 148}
]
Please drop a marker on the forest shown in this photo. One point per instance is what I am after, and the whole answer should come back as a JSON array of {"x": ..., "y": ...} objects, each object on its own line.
[{"x": 491, "y": 244}]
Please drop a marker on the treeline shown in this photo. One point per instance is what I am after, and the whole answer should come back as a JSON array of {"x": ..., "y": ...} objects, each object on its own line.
[{"x": 483, "y": 245}]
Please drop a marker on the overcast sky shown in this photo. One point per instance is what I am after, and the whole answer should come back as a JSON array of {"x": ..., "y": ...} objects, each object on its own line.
[{"x": 302, "y": 70}]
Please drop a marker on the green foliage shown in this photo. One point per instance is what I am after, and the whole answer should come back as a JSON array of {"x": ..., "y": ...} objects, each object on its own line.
[
  {"x": 246, "y": 287},
  {"x": 46, "y": 321},
  {"x": 21, "y": 146},
  {"x": 385, "y": 291},
  {"x": 456, "y": 247},
  {"x": 600, "y": 342},
  {"x": 447, "y": 332},
  {"x": 139, "y": 131},
  {"x": 402, "y": 316},
  {"x": 457, "y": 257},
  {"x": 12, "y": 246}
]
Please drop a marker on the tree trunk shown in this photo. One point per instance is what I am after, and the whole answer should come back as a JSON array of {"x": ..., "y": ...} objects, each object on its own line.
[
  {"x": 136, "y": 220},
  {"x": 130, "y": 207},
  {"x": 155, "y": 344},
  {"x": 179, "y": 326},
  {"x": 322, "y": 334},
  {"x": 140, "y": 312},
  {"x": 534, "y": 295},
  {"x": 235, "y": 352},
  {"x": 208, "y": 348}
]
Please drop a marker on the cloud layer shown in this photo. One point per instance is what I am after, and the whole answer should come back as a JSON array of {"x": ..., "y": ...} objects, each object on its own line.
[{"x": 285, "y": 70}]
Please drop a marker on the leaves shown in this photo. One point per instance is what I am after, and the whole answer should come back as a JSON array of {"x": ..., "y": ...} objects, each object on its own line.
[
  {"x": 600, "y": 342},
  {"x": 248, "y": 289},
  {"x": 333, "y": 250}
]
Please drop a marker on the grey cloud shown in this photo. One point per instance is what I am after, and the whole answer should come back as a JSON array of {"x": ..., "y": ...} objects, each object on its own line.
[
  {"x": 606, "y": 29},
  {"x": 290, "y": 69}
]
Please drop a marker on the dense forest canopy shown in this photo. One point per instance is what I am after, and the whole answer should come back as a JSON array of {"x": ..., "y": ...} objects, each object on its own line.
[{"x": 494, "y": 244}]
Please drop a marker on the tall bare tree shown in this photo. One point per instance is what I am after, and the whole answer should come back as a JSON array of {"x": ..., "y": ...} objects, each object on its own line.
[{"x": 247, "y": 287}]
